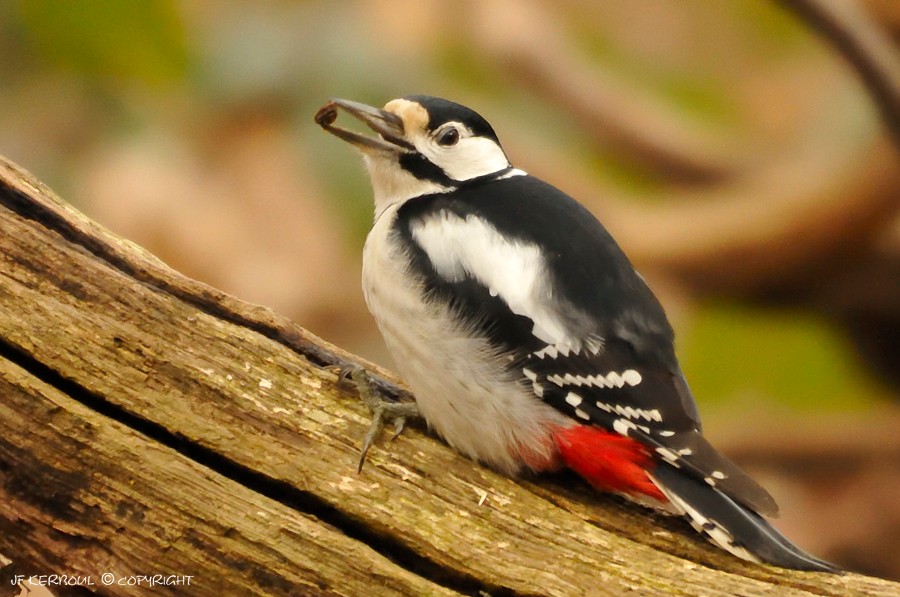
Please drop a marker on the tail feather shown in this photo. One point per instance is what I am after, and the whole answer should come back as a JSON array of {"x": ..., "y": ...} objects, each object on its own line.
[{"x": 731, "y": 526}]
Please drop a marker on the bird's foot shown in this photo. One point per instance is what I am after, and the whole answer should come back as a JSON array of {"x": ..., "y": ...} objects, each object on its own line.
[{"x": 382, "y": 410}]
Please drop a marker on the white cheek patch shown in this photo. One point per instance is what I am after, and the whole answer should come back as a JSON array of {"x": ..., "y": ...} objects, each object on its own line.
[
  {"x": 511, "y": 269},
  {"x": 470, "y": 158}
]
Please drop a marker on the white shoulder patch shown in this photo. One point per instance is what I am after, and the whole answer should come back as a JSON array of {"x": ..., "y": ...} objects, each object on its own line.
[
  {"x": 514, "y": 270},
  {"x": 511, "y": 173}
]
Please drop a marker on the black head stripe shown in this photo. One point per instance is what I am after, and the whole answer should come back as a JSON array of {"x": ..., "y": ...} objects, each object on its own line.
[
  {"x": 441, "y": 111},
  {"x": 419, "y": 166},
  {"x": 423, "y": 169}
]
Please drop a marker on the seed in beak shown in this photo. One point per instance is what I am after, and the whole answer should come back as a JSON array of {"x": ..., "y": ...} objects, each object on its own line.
[{"x": 327, "y": 114}]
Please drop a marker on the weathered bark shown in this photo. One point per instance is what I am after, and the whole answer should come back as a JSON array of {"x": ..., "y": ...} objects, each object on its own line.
[
  {"x": 8, "y": 584},
  {"x": 153, "y": 425}
]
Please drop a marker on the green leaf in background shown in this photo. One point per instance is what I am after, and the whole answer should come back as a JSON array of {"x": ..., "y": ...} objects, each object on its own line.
[
  {"x": 786, "y": 358},
  {"x": 125, "y": 40}
]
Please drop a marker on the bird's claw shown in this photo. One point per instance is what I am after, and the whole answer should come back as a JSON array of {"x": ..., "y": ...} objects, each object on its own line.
[{"x": 381, "y": 409}]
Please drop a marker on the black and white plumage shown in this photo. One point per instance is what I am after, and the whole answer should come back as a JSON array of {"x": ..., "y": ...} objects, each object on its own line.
[{"x": 527, "y": 337}]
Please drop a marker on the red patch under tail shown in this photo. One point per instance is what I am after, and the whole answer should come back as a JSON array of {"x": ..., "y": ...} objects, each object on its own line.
[{"x": 608, "y": 461}]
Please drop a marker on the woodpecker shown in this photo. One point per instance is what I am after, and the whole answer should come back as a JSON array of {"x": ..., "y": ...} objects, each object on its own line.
[{"x": 528, "y": 339}]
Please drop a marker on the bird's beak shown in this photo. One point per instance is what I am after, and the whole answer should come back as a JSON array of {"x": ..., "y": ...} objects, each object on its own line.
[{"x": 387, "y": 124}]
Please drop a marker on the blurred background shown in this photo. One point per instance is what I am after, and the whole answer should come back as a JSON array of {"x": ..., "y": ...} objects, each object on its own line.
[{"x": 732, "y": 151}]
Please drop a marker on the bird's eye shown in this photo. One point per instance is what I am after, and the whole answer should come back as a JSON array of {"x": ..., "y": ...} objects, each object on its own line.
[{"x": 449, "y": 137}]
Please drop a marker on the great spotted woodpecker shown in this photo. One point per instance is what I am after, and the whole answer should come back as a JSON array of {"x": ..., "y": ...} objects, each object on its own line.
[{"x": 527, "y": 337}]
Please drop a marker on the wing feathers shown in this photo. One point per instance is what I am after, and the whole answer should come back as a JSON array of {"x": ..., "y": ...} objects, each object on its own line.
[
  {"x": 730, "y": 526},
  {"x": 513, "y": 270},
  {"x": 583, "y": 330}
]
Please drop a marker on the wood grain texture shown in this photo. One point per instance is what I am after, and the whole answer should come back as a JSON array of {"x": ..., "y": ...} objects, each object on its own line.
[
  {"x": 157, "y": 424},
  {"x": 99, "y": 497}
]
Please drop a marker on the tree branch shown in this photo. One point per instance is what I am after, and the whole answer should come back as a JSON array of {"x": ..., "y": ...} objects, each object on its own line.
[
  {"x": 172, "y": 429},
  {"x": 8, "y": 586}
]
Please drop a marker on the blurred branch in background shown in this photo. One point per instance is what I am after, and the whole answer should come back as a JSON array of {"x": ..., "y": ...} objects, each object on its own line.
[
  {"x": 860, "y": 504},
  {"x": 535, "y": 48},
  {"x": 865, "y": 46}
]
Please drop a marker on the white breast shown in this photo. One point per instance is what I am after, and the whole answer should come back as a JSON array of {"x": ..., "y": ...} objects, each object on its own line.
[{"x": 460, "y": 382}]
